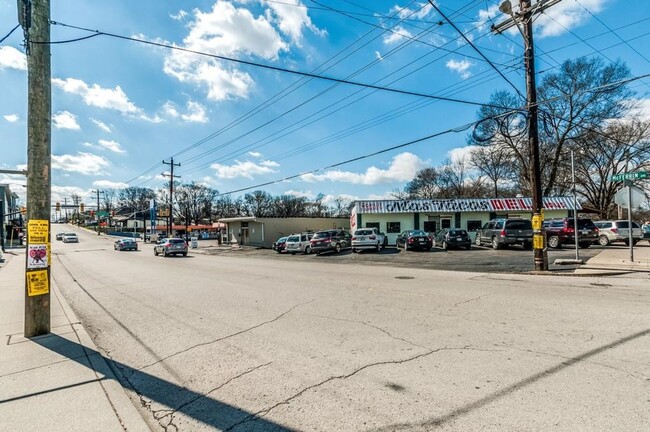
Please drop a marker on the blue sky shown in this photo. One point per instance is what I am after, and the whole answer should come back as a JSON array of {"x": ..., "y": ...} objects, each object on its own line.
[{"x": 120, "y": 107}]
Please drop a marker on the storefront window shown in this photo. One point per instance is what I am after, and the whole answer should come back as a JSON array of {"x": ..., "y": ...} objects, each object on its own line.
[
  {"x": 473, "y": 225},
  {"x": 393, "y": 227},
  {"x": 430, "y": 226},
  {"x": 373, "y": 225}
]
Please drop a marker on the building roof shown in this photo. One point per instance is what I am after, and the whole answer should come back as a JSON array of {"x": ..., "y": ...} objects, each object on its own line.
[{"x": 460, "y": 205}]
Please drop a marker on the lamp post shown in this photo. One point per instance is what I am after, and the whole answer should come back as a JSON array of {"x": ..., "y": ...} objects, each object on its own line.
[{"x": 575, "y": 206}]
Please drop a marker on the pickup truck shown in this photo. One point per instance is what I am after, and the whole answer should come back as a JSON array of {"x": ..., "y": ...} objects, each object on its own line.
[{"x": 368, "y": 238}]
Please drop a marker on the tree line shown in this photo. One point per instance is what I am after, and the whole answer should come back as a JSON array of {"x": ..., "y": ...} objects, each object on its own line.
[
  {"x": 585, "y": 107},
  {"x": 195, "y": 203}
]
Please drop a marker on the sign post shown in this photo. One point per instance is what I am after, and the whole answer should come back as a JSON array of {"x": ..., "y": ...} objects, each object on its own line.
[{"x": 625, "y": 198}]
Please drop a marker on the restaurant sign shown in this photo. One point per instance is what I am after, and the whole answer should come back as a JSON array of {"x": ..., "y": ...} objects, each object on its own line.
[{"x": 461, "y": 205}]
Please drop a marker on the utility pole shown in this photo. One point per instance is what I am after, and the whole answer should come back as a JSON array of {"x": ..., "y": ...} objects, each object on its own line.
[
  {"x": 525, "y": 16},
  {"x": 34, "y": 18},
  {"x": 97, "y": 212},
  {"x": 171, "y": 176},
  {"x": 65, "y": 206}
]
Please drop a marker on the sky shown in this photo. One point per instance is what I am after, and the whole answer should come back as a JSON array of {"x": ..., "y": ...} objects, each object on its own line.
[{"x": 120, "y": 107}]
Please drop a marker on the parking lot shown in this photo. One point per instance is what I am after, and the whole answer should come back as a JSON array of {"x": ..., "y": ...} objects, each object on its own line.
[{"x": 478, "y": 259}]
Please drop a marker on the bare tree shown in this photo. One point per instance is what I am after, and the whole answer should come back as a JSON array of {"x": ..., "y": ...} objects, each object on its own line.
[
  {"x": 135, "y": 198},
  {"x": 495, "y": 162},
  {"x": 259, "y": 203},
  {"x": 425, "y": 185}
]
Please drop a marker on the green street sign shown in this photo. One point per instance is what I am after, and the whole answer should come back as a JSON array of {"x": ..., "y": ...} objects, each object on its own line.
[
  {"x": 102, "y": 214},
  {"x": 630, "y": 176}
]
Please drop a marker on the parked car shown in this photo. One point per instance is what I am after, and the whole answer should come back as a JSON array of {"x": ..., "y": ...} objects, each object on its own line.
[
  {"x": 70, "y": 238},
  {"x": 279, "y": 245},
  {"x": 333, "y": 240},
  {"x": 646, "y": 231},
  {"x": 170, "y": 246},
  {"x": 125, "y": 244},
  {"x": 368, "y": 238},
  {"x": 299, "y": 243},
  {"x": 618, "y": 231},
  {"x": 448, "y": 238},
  {"x": 414, "y": 239},
  {"x": 59, "y": 236},
  {"x": 504, "y": 232},
  {"x": 561, "y": 231}
]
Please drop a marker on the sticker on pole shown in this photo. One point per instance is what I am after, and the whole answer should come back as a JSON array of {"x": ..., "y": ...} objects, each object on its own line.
[
  {"x": 38, "y": 283},
  {"x": 38, "y": 231},
  {"x": 37, "y": 256}
]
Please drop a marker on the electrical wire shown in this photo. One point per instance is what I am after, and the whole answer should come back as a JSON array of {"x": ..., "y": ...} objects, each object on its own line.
[
  {"x": 269, "y": 67},
  {"x": 10, "y": 33}
]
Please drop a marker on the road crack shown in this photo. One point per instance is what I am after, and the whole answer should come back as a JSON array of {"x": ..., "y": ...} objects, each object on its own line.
[
  {"x": 254, "y": 416},
  {"x": 282, "y": 315}
]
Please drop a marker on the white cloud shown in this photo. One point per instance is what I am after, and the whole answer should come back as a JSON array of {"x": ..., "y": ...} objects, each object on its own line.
[
  {"x": 378, "y": 55},
  {"x": 61, "y": 192},
  {"x": 11, "y": 118},
  {"x": 65, "y": 120},
  {"x": 11, "y": 58},
  {"x": 423, "y": 9},
  {"x": 195, "y": 112},
  {"x": 107, "y": 184},
  {"x": 82, "y": 163},
  {"x": 462, "y": 67},
  {"x": 403, "y": 168},
  {"x": 228, "y": 31},
  {"x": 180, "y": 16},
  {"x": 112, "y": 146},
  {"x": 255, "y": 154},
  {"x": 460, "y": 154},
  {"x": 100, "y": 124},
  {"x": 292, "y": 19},
  {"x": 306, "y": 194},
  {"x": 396, "y": 35},
  {"x": 98, "y": 96},
  {"x": 566, "y": 15},
  {"x": 246, "y": 169}
]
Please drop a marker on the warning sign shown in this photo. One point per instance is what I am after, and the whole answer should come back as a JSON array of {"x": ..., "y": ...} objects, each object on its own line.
[
  {"x": 37, "y": 283},
  {"x": 38, "y": 231},
  {"x": 37, "y": 256}
]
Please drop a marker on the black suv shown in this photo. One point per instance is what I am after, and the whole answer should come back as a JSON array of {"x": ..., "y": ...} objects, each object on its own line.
[
  {"x": 505, "y": 232},
  {"x": 331, "y": 240},
  {"x": 561, "y": 231}
]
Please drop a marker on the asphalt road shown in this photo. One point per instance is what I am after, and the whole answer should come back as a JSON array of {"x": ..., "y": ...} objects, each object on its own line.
[{"x": 242, "y": 343}]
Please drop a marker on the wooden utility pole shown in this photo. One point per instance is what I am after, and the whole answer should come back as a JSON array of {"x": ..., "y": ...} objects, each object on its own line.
[
  {"x": 171, "y": 175},
  {"x": 36, "y": 25},
  {"x": 525, "y": 17},
  {"x": 97, "y": 212}
]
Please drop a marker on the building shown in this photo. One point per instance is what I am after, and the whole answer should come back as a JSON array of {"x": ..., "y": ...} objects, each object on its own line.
[
  {"x": 9, "y": 217},
  {"x": 394, "y": 216},
  {"x": 262, "y": 232}
]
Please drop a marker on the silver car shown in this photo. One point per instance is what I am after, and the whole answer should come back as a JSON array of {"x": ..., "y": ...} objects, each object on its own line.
[
  {"x": 618, "y": 231},
  {"x": 298, "y": 243},
  {"x": 170, "y": 246},
  {"x": 70, "y": 238}
]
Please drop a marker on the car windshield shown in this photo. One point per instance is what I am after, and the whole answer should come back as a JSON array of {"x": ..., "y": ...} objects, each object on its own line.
[
  {"x": 128, "y": 241},
  {"x": 282, "y": 240},
  {"x": 417, "y": 233},
  {"x": 583, "y": 223},
  {"x": 293, "y": 239},
  {"x": 519, "y": 224},
  {"x": 321, "y": 235},
  {"x": 363, "y": 232},
  {"x": 70, "y": 234}
]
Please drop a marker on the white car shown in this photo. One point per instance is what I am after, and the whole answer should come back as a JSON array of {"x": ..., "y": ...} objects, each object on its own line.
[
  {"x": 618, "y": 231},
  {"x": 368, "y": 238},
  {"x": 70, "y": 238}
]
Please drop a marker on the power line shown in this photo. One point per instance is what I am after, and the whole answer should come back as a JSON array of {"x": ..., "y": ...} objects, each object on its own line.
[
  {"x": 476, "y": 49},
  {"x": 10, "y": 33},
  {"x": 270, "y": 67}
]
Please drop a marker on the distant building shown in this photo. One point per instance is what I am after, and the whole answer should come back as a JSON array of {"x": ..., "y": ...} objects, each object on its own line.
[
  {"x": 394, "y": 216},
  {"x": 262, "y": 232}
]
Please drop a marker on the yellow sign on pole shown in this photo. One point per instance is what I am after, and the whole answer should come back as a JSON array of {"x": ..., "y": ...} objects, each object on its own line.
[
  {"x": 538, "y": 241},
  {"x": 38, "y": 231},
  {"x": 37, "y": 283}
]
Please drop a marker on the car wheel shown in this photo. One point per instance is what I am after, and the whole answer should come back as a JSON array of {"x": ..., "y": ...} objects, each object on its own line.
[
  {"x": 293, "y": 253},
  {"x": 554, "y": 242},
  {"x": 603, "y": 240},
  {"x": 337, "y": 248},
  {"x": 155, "y": 252},
  {"x": 307, "y": 250},
  {"x": 469, "y": 246},
  {"x": 378, "y": 247},
  {"x": 584, "y": 245},
  {"x": 478, "y": 240},
  {"x": 184, "y": 254},
  {"x": 445, "y": 246},
  {"x": 429, "y": 248},
  {"x": 495, "y": 243},
  {"x": 528, "y": 245}
]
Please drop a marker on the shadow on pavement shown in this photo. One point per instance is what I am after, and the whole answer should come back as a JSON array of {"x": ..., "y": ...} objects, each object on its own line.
[
  {"x": 446, "y": 418},
  {"x": 198, "y": 406}
]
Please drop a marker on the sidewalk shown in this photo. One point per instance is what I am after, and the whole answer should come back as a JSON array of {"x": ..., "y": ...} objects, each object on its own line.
[
  {"x": 55, "y": 382},
  {"x": 616, "y": 261}
]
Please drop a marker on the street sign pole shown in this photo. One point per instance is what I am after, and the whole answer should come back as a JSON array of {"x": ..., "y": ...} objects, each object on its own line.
[{"x": 629, "y": 218}]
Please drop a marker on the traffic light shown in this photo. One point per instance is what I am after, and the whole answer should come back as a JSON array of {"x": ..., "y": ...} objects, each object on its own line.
[
  {"x": 81, "y": 207},
  {"x": 58, "y": 206}
]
